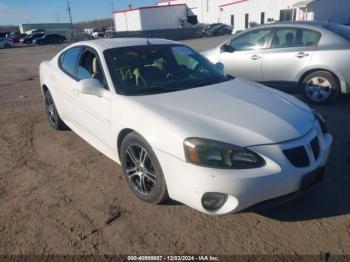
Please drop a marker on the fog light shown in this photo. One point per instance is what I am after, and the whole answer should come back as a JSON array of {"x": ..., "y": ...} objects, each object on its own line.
[{"x": 213, "y": 201}]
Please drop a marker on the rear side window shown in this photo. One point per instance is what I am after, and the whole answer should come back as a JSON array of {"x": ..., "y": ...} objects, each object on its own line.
[
  {"x": 294, "y": 37},
  {"x": 69, "y": 59}
]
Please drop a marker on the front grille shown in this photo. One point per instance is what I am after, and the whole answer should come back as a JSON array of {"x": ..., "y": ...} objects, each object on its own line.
[
  {"x": 297, "y": 156},
  {"x": 315, "y": 147}
]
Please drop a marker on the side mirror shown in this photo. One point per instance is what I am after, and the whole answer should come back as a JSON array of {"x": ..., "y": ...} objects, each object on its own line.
[
  {"x": 220, "y": 66},
  {"x": 227, "y": 48},
  {"x": 91, "y": 87}
]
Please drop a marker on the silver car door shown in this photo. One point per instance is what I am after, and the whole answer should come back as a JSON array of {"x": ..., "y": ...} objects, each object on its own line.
[
  {"x": 291, "y": 50},
  {"x": 242, "y": 56}
]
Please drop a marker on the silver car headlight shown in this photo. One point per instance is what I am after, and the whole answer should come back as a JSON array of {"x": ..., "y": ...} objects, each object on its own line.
[{"x": 215, "y": 154}]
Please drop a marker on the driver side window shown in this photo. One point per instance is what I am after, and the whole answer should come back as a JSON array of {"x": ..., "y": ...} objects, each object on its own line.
[
  {"x": 256, "y": 39},
  {"x": 184, "y": 59},
  {"x": 89, "y": 67}
]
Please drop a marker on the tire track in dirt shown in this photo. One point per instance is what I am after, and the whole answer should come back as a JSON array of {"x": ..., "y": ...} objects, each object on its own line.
[{"x": 22, "y": 155}]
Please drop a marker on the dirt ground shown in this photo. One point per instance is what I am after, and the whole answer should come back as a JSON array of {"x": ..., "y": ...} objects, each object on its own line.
[{"x": 58, "y": 195}]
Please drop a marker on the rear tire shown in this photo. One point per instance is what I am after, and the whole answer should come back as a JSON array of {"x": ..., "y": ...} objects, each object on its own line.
[
  {"x": 142, "y": 170},
  {"x": 320, "y": 87},
  {"x": 52, "y": 114}
]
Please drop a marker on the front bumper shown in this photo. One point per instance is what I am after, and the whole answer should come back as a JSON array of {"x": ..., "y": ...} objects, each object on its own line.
[
  {"x": 187, "y": 183},
  {"x": 308, "y": 181}
]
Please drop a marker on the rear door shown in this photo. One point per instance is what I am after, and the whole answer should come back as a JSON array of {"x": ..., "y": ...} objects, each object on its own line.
[
  {"x": 65, "y": 82},
  {"x": 246, "y": 59},
  {"x": 290, "y": 51}
]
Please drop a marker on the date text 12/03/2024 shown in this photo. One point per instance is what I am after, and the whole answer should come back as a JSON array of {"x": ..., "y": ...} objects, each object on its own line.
[{"x": 173, "y": 258}]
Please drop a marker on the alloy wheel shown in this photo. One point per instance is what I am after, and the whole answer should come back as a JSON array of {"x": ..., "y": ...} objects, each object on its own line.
[
  {"x": 50, "y": 109},
  {"x": 318, "y": 89},
  {"x": 139, "y": 169}
]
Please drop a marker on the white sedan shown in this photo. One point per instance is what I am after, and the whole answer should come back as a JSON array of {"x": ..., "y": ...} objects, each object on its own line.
[{"x": 182, "y": 129}]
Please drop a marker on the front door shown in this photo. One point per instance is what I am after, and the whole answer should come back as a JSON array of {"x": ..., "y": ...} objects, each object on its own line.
[
  {"x": 246, "y": 55},
  {"x": 93, "y": 113}
]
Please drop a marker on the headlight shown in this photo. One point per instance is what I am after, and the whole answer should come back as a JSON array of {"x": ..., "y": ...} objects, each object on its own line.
[
  {"x": 321, "y": 121},
  {"x": 210, "y": 153}
]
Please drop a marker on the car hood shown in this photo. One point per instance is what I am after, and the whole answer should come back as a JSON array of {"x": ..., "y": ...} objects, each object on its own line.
[{"x": 237, "y": 111}]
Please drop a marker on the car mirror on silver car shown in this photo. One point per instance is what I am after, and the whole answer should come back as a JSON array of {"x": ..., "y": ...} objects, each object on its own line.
[
  {"x": 91, "y": 87},
  {"x": 227, "y": 48}
]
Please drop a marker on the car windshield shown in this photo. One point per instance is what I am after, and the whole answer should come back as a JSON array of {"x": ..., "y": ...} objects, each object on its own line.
[
  {"x": 341, "y": 30},
  {"x": 153, "y": 69}
]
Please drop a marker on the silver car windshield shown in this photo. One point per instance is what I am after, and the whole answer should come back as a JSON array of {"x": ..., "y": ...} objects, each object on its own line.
[{"x": 152, "y": 69}]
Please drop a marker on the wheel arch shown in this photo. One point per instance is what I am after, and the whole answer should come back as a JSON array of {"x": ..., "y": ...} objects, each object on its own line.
[
  {"x": 340, "y": 79},
  {"x": 122, "y": 134},
  {"x": 44, "y": 88}
]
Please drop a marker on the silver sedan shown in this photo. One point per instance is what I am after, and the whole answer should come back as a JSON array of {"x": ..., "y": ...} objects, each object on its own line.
[{"x": 310, "y": 56}]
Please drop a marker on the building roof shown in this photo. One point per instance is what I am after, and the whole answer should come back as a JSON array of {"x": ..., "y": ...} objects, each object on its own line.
[
  {"x": 147, "y": 7},
  {"x": 232, "y": 3},
  {"x": 303, "y": 3},
  {"x": 164, "y": 1}
]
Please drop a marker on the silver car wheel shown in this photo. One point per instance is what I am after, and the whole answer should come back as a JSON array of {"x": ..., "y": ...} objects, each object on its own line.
[
  {"x": 318, "y": 89},
  {"x": 139, "y": 169}
]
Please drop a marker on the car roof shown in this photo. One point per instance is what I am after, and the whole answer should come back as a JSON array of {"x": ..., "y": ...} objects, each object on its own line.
[{"x": 103, "y": 44}]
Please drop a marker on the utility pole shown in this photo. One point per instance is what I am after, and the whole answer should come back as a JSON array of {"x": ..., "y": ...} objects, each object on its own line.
[
  {"x": 57, "y": 18},
  {"x": 112, "y": 4},
  {"x": 70, "y": 15}
]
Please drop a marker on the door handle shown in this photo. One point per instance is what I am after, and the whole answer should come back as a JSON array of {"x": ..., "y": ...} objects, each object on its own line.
[
  {"x": 301, "y": 55},
  {"x": 255, "y": 57}
]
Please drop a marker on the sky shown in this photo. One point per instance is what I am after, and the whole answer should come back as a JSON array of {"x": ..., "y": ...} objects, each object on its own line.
[{"x": 14, "y": 12}]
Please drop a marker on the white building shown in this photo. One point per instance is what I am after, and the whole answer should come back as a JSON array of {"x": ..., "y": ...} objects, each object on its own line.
[
  {"x": 151, "y": 17},
  {"x": 53, "y": 27},
  {"x": 241, "y": 13}
]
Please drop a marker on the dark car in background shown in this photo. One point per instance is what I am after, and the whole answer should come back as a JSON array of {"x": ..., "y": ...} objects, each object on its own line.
[
  {"x": 15, "y": 37},
  {"x": 49, "y": 39},
  {"x": 4, "y": 34},
  {"x": 216, "y": 30},
  {"x": 30, "y": 38}
]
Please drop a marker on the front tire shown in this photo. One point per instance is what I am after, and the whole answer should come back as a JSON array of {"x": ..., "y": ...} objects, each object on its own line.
[
  {"x": 52, "y": 114},
  {"x": 320, "y": 87},
  {"x": 142, "y": 170}
]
